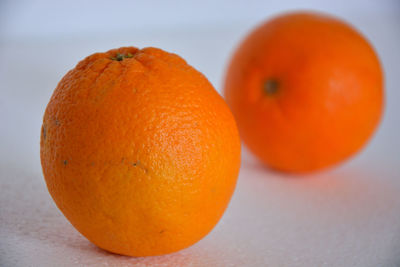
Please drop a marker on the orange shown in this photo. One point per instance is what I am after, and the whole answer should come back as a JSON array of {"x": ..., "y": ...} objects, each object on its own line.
[
  {"x": 139, "y": 151},
  {"x": 306, "y": 90}
]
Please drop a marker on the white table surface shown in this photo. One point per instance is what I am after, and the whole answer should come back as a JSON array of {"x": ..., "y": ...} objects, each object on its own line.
[{"x": 347, "y": 216}]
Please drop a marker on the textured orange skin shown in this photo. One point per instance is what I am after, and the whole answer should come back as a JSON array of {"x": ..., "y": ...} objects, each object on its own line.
[
  {"x": 330, "y": 95},
  {"x": 141, "y": 155}
]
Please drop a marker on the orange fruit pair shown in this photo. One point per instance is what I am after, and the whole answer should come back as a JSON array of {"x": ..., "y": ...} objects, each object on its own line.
[{"x": 141, "y": 154}]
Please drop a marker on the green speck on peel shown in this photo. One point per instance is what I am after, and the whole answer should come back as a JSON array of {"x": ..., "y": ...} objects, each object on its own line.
[
  {"x": 120, "y": 57},
  {"x": 44, "y": 132},
  {"x": 65, "y": 162},
  {"x": 137, "y": 163}
]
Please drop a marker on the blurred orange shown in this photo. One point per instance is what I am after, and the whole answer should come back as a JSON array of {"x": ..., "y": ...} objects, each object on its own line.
[{"x": 306, "y": 90}]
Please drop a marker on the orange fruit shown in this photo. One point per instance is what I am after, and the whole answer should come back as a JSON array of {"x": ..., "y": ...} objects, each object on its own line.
[
  {"x": 306, "y": 90},
  {"x": 139, "y": 151}
]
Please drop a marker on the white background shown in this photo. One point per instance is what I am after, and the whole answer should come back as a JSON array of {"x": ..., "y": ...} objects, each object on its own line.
[{"x": 347, "y": 216}]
